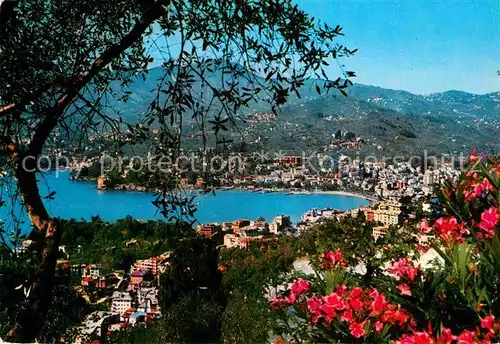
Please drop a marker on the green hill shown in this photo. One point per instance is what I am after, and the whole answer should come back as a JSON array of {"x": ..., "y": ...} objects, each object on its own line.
[{"x": 387, "y": 121}]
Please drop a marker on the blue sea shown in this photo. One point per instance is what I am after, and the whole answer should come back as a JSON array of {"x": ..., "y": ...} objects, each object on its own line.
[{"x": 81, "y": 200}]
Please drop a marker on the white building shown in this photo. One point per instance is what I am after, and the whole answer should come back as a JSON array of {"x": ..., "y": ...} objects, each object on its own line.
[
  {"x": 234, "y": 240},
  {"x": 120, "y": 302},
  {"x": 279, "y": 224},
  {"x": 147, "y": 299}
]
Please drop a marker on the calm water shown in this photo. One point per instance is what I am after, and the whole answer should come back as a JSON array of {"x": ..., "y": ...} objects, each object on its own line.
[{"x": 81, "y": 200}]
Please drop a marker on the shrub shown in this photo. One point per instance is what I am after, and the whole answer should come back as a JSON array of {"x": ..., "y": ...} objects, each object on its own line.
[{"x": 454, "y": 300}]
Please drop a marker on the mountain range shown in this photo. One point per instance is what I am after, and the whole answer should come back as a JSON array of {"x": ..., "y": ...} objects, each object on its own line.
[{"x": 385, "y": 121}]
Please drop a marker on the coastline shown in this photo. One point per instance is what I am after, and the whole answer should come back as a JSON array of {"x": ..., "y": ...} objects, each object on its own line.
[
  {"x": 304, "y": 192},
  {"x": 291, "y": 192},
  {"x": 339, "y": 193}
]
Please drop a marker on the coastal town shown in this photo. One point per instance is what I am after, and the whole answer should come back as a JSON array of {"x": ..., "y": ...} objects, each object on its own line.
[
  {"x": 250, "y": 171},
  {"x": 258, "y": 172},
  {"x": 130, "y": 298}
]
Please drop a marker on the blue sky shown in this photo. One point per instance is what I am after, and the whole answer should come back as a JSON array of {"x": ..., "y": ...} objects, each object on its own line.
[{"x": 421, "y": 46}]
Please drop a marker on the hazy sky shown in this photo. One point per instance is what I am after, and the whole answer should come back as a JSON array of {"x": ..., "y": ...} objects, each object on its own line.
[{"x": 421, "y": 46}]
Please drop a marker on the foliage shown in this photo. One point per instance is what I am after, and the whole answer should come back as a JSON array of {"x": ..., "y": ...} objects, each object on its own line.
[
  {"x": 454, "y": 300},
  {"x": 193, "y": 319},
  {"x": 262, "y": 266},
  {"x": 58, "y": 59},
  {"x": 246, "y": 320},
  {"x": 67, "y": 309},
  {"x": 149, "y": 334},
  {"x": 193, "y": 268},
  {"x": 117, "y": 245}
]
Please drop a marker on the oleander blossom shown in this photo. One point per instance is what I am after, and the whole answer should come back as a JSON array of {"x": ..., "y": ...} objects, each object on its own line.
[
  {"x": 490, "y": 219},
  {"x": 297, "y": 289},
  {"x": 488, "y": 323},
  {"x": 447, "y": 337},
  {"x": 333, "y": 259},
  {"x": 477, "y": 189},
  {"x": 356, "y": 307},
  {"x": 450, "y": 230},
  {"x": 425, "y": 228},
  {"x": 404, "y": 269},
  {"x": 473, "y": 156},
  {"x": 300, "y": 287},
  {"x": 357, "y": 329}
]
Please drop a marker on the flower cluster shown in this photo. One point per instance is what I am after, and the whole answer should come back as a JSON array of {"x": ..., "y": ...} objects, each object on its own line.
[
  {"x": 488, "y": 330},
  {"x": 298, "y": 288},
  {"x": 477, "y": 188},
  {"x": 451, "y": 231},
  {"x": 475, "y": 196},
  {"x": 362, "y": 309},
  {"x": 490, "y": 219},
  {"x": 333, "y": 259},
  {"x": 469, "y": 215},
  {"x": 405, "y": 270}
]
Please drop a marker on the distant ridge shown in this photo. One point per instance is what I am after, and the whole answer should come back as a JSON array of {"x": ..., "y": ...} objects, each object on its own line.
[{"x": 387, "y": 120}]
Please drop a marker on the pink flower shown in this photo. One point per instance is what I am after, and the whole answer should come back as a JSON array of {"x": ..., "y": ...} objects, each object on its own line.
[
  {"x": 314, "y": 305},
  {"x": 488, "y": 322},
  {"x": 467, "y": 337},
  {"x": 404, "y": 289},
  {"x": 489, "y": 220},
  {"x": 338, "y": 256},
  {"x": 356, "y": 292},
  {"x": 356, "y": 304},
  {"x": 424, "y": 226},
  {"x": 416, "y": 338},
  {"x": 378, "y": 326},
  {"x": 476, "y": 190},
  {"x": 328, "y": 312},
  {"x": 395, "y": 316},
  {"x": 379, "y": 304},
  {"x": 333, "y": 259},
  {"x": 300, "y": 287},
  {"x": 449, "y": 229},
  {"x": 446, "y": 337},
  {"x": 446, "y": 224},
  {"x": 291, "y": 298},
  {"x": 374, "y": 294},
  {"x": 346, "y": 316},
  {"x": 357, "y": 329},
  {"x": 341, "y": 289},
  {"x": 336, "y": 301},
  {"x": 473, "y": 157},
  {"x": 403, "y": 268}
]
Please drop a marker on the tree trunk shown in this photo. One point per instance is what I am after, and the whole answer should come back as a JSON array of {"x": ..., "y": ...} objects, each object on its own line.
[
  {"x": 31, "y": 320},
  {"x": 370, "y": 270}
]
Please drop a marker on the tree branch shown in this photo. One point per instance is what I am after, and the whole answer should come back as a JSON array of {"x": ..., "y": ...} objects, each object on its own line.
[
  {"x": 45, "y": 127},
  {"x": 32, "y": 319},
  {"x": 7, "y": 147}
]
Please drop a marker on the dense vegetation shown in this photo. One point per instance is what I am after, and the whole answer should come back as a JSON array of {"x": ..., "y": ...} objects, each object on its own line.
[
  {"x": 235, "y": 307},
  {"x": 403, "y": 121},
  {"x": 62, "y": 61},
  {"x": 453, "y": 298},
  {"x": 218, "y": 294}
]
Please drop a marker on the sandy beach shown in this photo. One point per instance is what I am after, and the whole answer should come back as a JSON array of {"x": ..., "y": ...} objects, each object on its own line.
[{"x": 304, "y": 192}]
